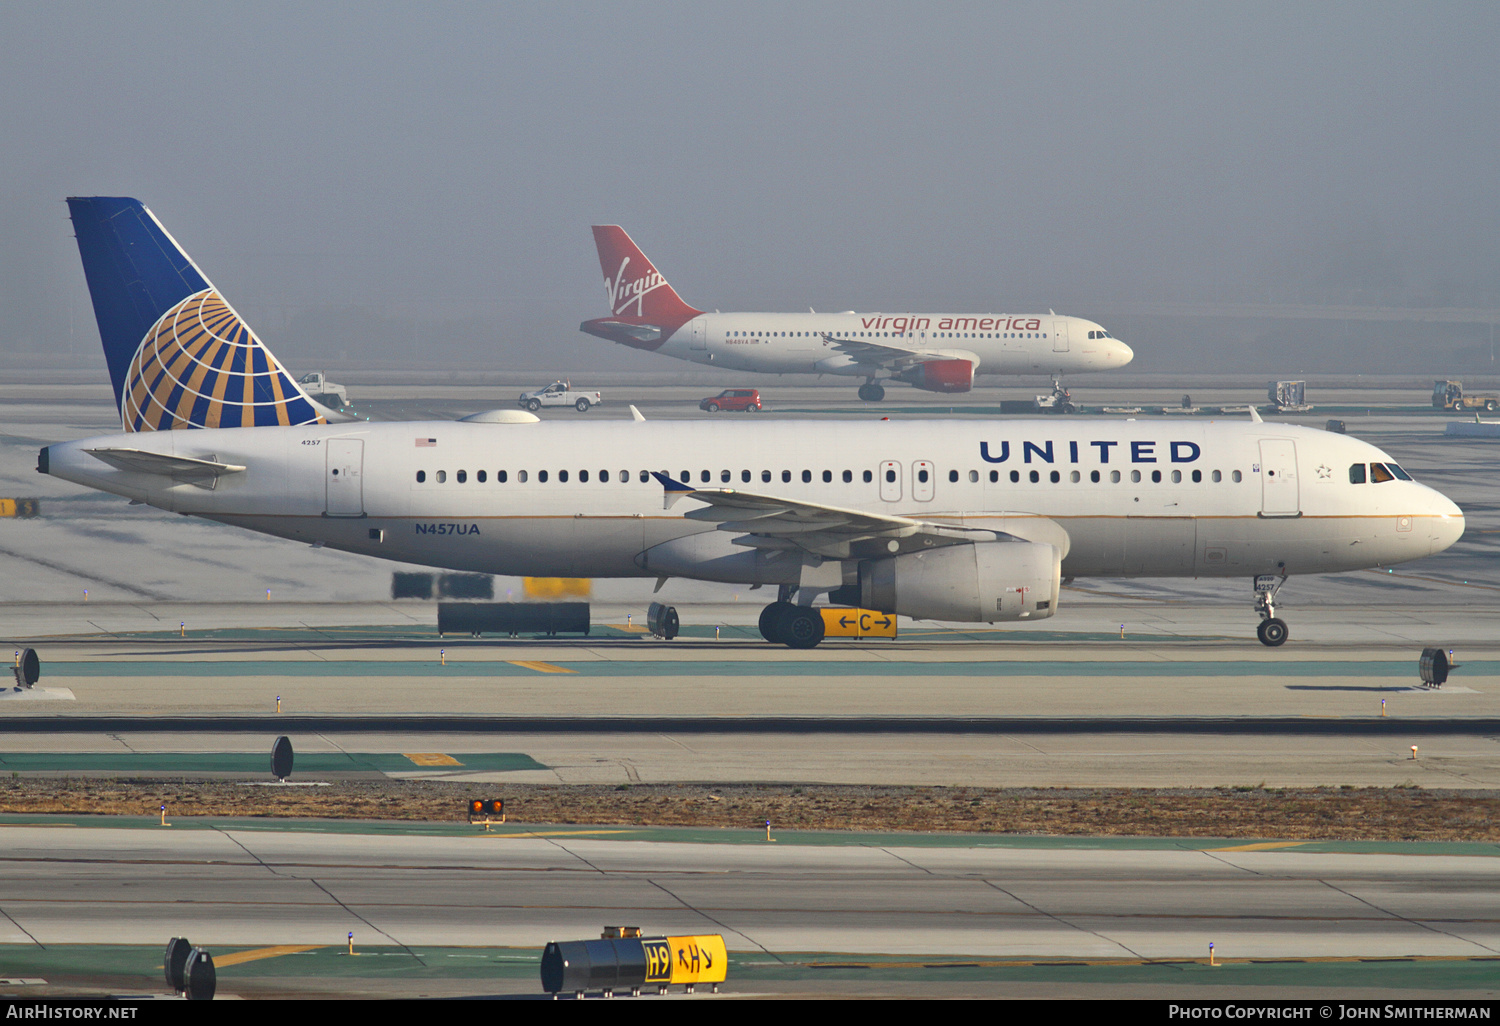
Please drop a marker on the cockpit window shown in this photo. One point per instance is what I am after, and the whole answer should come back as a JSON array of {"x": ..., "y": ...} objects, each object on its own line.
[
  {"x": 1379, "y": 474},
  {"x": 1403, "y": 475},
  {"x": 1356, "y": 473}
]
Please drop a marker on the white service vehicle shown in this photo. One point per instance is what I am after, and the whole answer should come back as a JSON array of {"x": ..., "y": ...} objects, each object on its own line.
[
  {"x": 953, "y": 520},
  {"x": 559, "y": 393},
  {"x": 330, "y": 394}
]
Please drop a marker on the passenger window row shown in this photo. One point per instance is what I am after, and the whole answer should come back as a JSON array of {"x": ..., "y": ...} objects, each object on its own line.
[{"x": 1356, "y": 476}]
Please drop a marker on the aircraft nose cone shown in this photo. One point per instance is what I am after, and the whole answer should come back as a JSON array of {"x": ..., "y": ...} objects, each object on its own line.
[
  {"x": 1448, "y": 527},
  {"x": 1123, "y": 354}
]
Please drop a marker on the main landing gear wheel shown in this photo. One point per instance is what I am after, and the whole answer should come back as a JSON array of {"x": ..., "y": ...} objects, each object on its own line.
[
  {"x": 800, "y": 627},
  {"x": 770, "y": 618},
  {"x": 1272, "y": 632},
  {"x": 871, "y": 393}
]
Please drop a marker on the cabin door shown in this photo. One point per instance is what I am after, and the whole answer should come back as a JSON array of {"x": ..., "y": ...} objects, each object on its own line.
[
  {"x": 345, "y": 477},
  {"x": 1279, "y": 493}
]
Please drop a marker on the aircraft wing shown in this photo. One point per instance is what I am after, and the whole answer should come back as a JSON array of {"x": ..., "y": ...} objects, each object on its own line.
[
  {"x": 771, "y": 522},
  {"x": 881, "y": 353},
  {"x": 202, "y": 472}
]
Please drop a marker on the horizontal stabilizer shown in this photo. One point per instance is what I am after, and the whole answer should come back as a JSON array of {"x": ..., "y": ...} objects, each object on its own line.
[{"x": 204, "y": 472}]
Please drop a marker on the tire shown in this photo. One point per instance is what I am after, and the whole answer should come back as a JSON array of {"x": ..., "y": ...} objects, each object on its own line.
[
  {"x": 770, "y": 617},
  {"x": 1272, "y": 633},
  {"x": 752, "y": 409},
  {"x": 533, "y": 405},
  {"x": 800, "y": 627},
  {"x": 877, "y": 393},
  {"x": 1489, "y": 406},
  {"x": 712, "y": 407},
  {"x": 582, "y": 406}
]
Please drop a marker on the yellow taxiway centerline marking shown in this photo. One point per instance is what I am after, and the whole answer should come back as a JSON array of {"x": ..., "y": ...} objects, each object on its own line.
[
  {"x": 539, "y": 667},
  {"x": 1262, "y": 846},
  {"x": 561, "y": 833},
  {"x": 256, "y": 954}
]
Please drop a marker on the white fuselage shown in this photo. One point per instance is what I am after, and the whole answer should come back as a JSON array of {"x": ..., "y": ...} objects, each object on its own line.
[
  {"x": 577, "y": 499},
  {"x": 792, "y": 343}
]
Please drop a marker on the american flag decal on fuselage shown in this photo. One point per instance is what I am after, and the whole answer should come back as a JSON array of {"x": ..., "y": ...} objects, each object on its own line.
[{"x": 200, "y": 365}]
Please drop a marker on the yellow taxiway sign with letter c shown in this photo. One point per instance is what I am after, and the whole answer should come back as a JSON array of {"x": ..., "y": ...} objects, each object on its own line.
[{"x": 857, "y": 623}]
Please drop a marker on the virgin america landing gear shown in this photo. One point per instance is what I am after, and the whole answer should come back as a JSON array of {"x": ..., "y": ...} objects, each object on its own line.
[{"x": 871, "y": 391}]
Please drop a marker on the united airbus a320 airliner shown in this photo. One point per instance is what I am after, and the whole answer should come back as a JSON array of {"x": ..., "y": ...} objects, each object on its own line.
[
  {"x": 936, "y": 352},
  {"x": 957, "y": 520}
]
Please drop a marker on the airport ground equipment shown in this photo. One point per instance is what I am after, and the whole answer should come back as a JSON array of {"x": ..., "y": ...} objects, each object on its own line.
[
  {"x": 1434, "y": 666},
  {"x": 28, "y": 668},
  {"x": 1059, "y": 400},
  {"x": 1338, "y": 427},
  {"x": 407, "y": 584},
  {"x": 23, "y": 509},
  {"x": 557, "y": 394},
  {"x": 512, "y": 618},
  {"x": 331, "y": 395},
  {"x": 1449, "y": 395},
  {"x": 1288, "y": 396},
  {"x": 282, "y": 757},
  {"x": 622, "y": 959},
  {"x": 662, "y": 621}
]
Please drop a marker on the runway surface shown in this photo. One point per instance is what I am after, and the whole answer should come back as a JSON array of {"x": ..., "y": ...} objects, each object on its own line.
[
  {"x": 172, "y": 662},
  {"x": 784, "y": 908}
]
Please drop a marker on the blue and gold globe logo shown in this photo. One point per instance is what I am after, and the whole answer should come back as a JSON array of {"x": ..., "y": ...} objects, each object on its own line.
[{"x": 200, "y": 366}]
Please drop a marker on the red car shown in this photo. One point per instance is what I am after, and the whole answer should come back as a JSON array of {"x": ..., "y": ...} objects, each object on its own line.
[{"x": 744, "y": 399}]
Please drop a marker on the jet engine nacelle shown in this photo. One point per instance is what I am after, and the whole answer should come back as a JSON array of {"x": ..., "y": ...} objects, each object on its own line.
[
  {"x": 983, "y": 582},
  {"x": 941, "y": 375}
]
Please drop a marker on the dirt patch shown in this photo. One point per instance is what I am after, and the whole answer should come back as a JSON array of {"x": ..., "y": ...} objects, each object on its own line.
[{"x": 1374, "y": 814}]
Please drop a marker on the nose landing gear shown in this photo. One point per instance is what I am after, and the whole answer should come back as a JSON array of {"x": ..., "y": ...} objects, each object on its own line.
[{"x": 1271, "y": 631}]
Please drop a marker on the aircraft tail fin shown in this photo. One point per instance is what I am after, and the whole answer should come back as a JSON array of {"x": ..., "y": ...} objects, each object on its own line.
[
  {"x": 636, "y": 288},
  {"x": 179, "y": 355}
]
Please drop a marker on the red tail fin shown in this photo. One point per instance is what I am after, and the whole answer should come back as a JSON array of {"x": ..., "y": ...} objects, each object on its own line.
[{"x": 636, "y": 288}]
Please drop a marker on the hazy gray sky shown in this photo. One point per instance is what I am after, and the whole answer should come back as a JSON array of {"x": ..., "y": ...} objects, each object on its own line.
[{"x": 416, "y": 181}]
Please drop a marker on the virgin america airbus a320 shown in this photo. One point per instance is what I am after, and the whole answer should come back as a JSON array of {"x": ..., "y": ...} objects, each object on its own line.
[
  {"x": 954, "y": 520},
  {"x": 936, "y": 352}
]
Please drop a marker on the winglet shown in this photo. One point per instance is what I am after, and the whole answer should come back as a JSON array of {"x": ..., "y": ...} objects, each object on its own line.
[
  {"x": 1255, "y": 415},
  {"x": 635, "y": 415},
  {"x": 672, "y": 490}
]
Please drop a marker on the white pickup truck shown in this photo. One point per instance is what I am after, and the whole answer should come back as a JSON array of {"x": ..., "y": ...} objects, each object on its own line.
[
  {"x": 559, "y": 393},
  {"x": 324, "y": 391}
]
